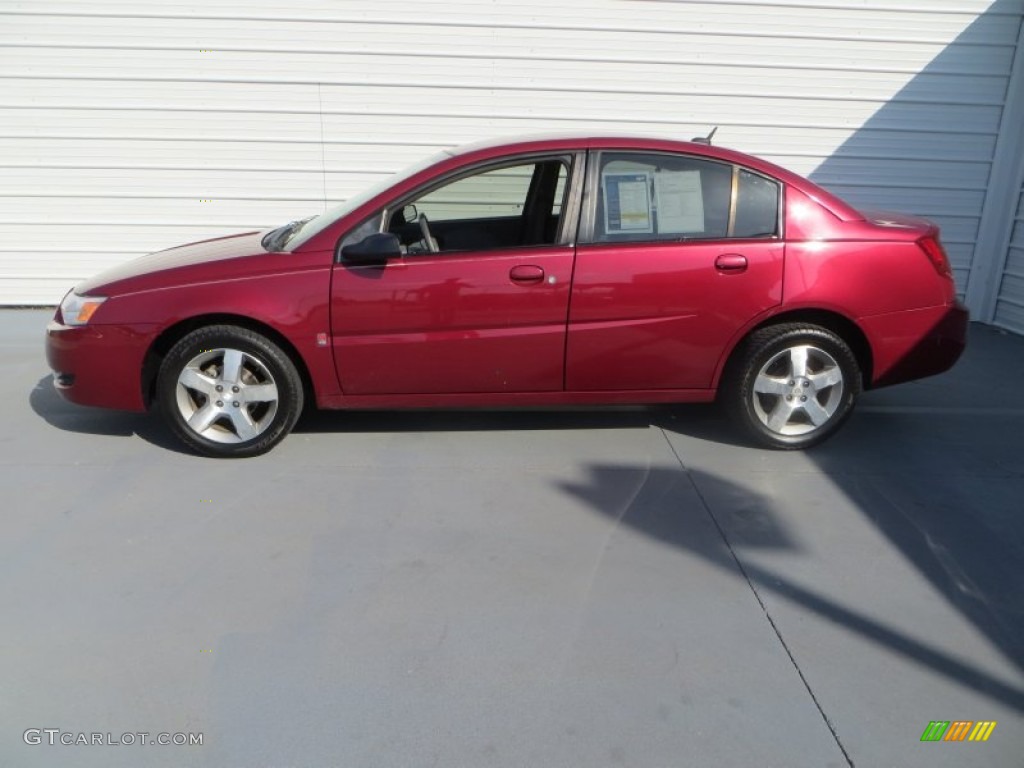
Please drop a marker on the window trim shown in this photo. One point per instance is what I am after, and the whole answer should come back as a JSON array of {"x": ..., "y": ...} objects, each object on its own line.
[{"x": 588, "y": 216}]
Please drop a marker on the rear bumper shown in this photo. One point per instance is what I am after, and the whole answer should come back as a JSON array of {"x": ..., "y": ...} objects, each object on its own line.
[
  {"x": 915, "y": 344},
  {"x": 98, "y": 365}
]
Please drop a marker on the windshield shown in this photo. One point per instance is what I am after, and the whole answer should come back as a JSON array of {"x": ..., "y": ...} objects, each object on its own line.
[{"x": 294, "y": 234}]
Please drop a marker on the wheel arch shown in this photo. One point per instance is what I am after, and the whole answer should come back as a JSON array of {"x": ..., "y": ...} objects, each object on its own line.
[
  {"x": 833, "y": 321},
  {"x": 170, "y": 336}
]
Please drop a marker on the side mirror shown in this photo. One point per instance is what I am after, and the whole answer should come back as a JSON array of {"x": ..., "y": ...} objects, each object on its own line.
[{"x": 374, "y": 249}]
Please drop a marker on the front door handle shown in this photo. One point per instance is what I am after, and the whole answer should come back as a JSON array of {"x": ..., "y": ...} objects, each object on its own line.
[
  {"x": 526, "y": 273},
  {"x": 731, "y": 262}
]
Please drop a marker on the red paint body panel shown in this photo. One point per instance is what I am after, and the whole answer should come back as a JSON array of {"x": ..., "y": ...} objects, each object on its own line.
[
  {"x": 859, "y": 279},
  {"x": 205, "y": 261},
  {"x": 452, "y": 323},
  {"x": 657, "y": 316},
  {"x": 291, "y": 302},
  {"x": 608, "y": 323},
  {"x": 105, "y": 360},
  {"x": 286, "y": 292},
  {"x": 916, "y": 343}
]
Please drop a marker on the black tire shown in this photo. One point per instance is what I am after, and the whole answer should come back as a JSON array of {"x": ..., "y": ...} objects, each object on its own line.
[
  {"x": 778, "y": 409},
  {"x": 240, "y": 419}
]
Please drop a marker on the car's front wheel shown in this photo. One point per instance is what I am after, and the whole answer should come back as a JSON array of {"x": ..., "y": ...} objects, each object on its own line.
[
  {"x": 792, "y": 385},
  {"x": 229, "y": 392}
]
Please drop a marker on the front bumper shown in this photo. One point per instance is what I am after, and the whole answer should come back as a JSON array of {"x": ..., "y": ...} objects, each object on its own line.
[
  {"x": 99, "y": 365},
  {"x": 915, "y": 344}
]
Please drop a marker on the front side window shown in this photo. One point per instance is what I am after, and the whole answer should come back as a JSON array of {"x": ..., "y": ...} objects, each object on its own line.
[
  {"x": 645, "y": 197},
  {"x": 498, "y": 207},
  {"x": 493, "y": 194}
]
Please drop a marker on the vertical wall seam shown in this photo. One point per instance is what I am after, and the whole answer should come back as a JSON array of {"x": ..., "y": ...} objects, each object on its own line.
[{"x": 1001, "y": 198}]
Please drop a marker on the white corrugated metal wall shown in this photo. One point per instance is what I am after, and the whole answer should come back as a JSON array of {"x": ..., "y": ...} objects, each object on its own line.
[{"x": 128, "y": 127}]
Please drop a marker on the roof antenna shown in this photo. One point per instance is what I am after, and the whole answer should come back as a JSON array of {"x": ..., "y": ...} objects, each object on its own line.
[{"x": 704, "y": 139}]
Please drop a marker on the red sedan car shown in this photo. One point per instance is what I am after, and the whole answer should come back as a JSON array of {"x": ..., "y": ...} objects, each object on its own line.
[{"x": 540, "y": 271}]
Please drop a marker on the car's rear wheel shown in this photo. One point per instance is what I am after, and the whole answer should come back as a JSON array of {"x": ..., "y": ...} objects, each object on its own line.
[
  {"x": 792, "y": 385},
  {"x": 226, "y": 391}
]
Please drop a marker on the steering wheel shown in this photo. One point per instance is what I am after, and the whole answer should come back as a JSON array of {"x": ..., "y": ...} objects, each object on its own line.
[{"x": 428, "y": 239}]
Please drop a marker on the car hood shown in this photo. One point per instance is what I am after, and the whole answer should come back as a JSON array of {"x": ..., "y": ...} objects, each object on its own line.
[{"x": 195, "y": 262}]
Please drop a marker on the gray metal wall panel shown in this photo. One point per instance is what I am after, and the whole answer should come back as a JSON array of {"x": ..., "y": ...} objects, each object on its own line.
[{"x": 1010, "y": 302}]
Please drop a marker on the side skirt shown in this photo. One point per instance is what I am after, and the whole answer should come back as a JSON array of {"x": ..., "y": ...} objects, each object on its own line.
[{"x": 515, "y": 399}]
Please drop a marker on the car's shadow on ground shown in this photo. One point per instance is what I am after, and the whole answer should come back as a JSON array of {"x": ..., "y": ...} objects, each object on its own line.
[
  {"x": 700, "y": 421},
  {"x": 59, "y": 413},
  {"x": 705, "y": 422}
]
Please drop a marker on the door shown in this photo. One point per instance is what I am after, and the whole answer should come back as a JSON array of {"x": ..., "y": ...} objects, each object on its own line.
[
  {"x": 681, "y": 252},
  {"x": 478, "y": 301}
]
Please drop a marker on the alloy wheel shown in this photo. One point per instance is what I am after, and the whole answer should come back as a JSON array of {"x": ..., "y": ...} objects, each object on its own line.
[
  {"x": 226, "y": 395},
  {"x": 798, "y": 390}
]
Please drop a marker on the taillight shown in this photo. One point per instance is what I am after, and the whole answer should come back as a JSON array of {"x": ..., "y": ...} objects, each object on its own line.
[{"x": 936, "y": 255}]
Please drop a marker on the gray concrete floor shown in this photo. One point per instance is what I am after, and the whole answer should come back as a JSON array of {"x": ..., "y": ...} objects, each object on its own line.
[{"x": 517, "y": 589}]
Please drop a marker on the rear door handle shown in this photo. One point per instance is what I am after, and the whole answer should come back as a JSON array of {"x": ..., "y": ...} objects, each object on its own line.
[
  {"x": 731, "y": 262},
  {"x": 526, "y": 273}
]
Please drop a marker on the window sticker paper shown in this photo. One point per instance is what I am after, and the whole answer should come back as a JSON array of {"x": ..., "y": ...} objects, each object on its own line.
[
  {"x": 627, "y": 202},
  {"x": 680, "y": 202}
]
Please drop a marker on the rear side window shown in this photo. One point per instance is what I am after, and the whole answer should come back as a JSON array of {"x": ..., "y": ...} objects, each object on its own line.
[{"x": 644, "y": 197}]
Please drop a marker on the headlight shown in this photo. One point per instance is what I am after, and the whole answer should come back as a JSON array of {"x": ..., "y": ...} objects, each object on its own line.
[{"x": 76, "y": 310}]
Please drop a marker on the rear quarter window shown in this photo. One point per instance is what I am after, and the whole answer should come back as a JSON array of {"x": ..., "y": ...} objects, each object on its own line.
[{"x": 757, "y": 206}]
